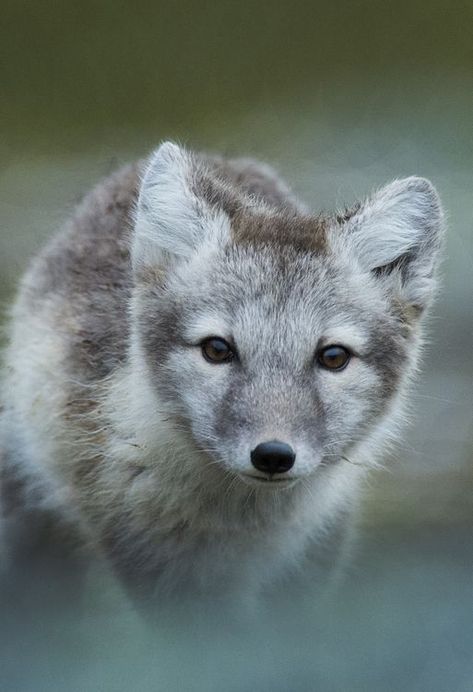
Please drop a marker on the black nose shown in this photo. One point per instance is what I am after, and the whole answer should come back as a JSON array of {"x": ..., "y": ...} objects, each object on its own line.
[{"x": 273, "y": 457}]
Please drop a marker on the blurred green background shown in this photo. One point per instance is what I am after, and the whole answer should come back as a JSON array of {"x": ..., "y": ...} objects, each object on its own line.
[{"x": 340, "y": 96}]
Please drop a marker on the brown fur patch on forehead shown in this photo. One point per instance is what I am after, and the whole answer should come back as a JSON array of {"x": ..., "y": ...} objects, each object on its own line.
[{"x": 304, "y": 233}]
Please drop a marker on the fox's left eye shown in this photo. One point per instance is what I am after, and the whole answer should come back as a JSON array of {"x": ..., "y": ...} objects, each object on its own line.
[
  {"x": 334, "y": 357},
  {"x": 216, "y": 350}
]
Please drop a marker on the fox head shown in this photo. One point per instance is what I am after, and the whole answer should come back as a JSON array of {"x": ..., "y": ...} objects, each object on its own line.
[{"x": 281, "y": 341}]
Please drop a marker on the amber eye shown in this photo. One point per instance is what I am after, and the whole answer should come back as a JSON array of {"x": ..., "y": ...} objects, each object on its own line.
[
  {"x": 216, "y": 350},
  {"x": 334, "y": 357}
]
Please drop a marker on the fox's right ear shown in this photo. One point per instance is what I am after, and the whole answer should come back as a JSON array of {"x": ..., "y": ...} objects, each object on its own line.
[{"x": 172, "y": 219}]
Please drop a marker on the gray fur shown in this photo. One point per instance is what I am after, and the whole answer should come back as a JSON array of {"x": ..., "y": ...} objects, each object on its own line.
[{"x": 130, "y": 437}]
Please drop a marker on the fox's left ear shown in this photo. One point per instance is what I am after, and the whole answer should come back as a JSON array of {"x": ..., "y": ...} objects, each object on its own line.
[
  {"x": 173, "y": 218},
  {"x": 397, "y": 234}
]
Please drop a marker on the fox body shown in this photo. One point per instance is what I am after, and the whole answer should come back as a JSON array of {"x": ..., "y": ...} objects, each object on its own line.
[{"x": 201, "y": 372}]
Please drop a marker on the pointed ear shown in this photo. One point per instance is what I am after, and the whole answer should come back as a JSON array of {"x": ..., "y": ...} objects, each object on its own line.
[
  {"x": 172, "y": 220},
  {"x": 397, "y": 234}
]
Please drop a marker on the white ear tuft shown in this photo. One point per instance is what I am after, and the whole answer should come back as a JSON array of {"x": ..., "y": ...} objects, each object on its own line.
[
  {"x": 400, "y": 229},
  {"x": 172, "y": 219}
]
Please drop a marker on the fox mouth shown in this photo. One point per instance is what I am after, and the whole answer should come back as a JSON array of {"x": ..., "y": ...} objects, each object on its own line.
[{"x": 268, "y": 481}]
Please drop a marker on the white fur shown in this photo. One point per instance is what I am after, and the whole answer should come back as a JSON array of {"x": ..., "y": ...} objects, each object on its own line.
[{"x": 170, "y": 219}]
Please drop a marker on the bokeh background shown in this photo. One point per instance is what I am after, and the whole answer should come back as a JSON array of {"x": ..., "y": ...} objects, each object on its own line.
[{"x": 341, "y": 96}]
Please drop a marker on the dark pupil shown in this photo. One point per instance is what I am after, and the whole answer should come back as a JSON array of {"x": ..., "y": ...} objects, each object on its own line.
[
  {"x": 216, "y": 349},
  {"x": 334, "y": 357}
]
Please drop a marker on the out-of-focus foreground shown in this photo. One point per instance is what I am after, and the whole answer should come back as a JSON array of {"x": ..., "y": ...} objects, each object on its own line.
[{"x": 341, "y": 97}]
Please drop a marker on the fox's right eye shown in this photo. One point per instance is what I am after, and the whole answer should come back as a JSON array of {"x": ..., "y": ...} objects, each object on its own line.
[{"x": 216, "y": 350}]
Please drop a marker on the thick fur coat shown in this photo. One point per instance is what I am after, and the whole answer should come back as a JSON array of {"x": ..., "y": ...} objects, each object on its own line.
[{"x": 115, "y": 423}]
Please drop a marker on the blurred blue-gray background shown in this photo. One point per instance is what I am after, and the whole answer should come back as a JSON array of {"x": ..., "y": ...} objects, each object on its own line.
[{"x": 340, "y": 96}]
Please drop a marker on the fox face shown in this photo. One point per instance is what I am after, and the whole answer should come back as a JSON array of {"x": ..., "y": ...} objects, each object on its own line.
[{"x": 280, "y": 342}]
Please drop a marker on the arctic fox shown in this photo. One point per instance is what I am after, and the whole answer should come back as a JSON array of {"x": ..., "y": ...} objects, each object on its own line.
[{"x": 201, "y": 372}]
